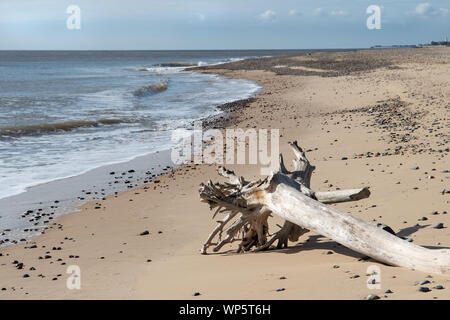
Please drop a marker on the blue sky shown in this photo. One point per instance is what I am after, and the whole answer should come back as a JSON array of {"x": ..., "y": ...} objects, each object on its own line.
[{"x": 219, "y": 24}]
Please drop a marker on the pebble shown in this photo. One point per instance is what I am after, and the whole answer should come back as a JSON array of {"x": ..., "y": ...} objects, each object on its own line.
[
  {"x": 424, "y": 289},
  {"x": 144, "y": 233},
  {"x": 438, "y": 287},
  {"x": 424, "y": 282},
  {"x": 280, "y": 289},
  {"x": 372, "y": 297},
  {"x": 388, "y": 291},
  {"x": 439, "y": 225}
]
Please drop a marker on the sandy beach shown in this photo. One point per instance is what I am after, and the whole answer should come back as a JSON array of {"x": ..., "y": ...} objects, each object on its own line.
[{"x": 376, "y": 118}]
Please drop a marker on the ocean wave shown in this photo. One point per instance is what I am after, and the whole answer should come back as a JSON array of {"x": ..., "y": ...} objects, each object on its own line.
[
  {"x": 177, "y": 64},
  {"x": 55, "y": 127},
  {"x": 152, "y": 88}
]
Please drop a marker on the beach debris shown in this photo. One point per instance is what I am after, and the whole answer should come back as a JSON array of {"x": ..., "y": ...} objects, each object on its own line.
[{"x": 247, "y": 205}]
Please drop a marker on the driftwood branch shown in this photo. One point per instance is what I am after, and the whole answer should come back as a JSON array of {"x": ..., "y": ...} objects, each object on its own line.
[
  {"x": 342, "y": 195},
  {"x": 288, "y": 195}
]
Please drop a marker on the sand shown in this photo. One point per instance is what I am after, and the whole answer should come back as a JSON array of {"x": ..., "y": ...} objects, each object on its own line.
[{"x": 384, "y": 117}]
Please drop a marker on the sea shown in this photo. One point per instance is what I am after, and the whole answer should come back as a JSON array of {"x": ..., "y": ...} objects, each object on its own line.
[{"x": 65, "y": 113}]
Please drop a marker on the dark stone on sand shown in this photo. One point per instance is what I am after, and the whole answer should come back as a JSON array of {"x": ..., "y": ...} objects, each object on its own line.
[
  {"x": 196, "y": 294},
  {"x": 144, "y": 233},
  {"x": 424, "y": 289},
  {"x": 280, "y": 289},
  {"x": 386, "y": 228},
  {"x": 439, "y": 225},
  {"x": 26, "y": 275},
  {"x": 388, "y": 291},
  {"x": 424, "y": 282},
  {"x": 372, "y": 297},
  {"x": 438, "y": 287}
]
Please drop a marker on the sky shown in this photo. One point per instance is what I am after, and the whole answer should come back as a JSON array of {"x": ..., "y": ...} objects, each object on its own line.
[{"x": 217, "y": 24}]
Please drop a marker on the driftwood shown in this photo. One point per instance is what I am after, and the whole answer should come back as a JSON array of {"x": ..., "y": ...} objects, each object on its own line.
[{"x": 287, "y": 194}]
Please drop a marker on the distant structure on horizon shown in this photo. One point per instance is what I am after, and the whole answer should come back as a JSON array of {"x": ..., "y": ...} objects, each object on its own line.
[
  {"x": 397, "y": 46},
  {"x": 420, "y": 45}
]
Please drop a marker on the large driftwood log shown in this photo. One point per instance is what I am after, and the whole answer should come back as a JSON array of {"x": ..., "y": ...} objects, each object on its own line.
[{"x": 288, "y": 195}]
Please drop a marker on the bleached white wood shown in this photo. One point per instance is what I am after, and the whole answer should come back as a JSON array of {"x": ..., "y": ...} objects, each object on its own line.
[
  {"x": 283, "y": 199},
  {"x": 288, "y": 195},
  {"x": 337, "y": 196}
]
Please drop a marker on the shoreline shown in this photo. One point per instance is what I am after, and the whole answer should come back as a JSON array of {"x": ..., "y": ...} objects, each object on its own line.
[
  {"x": 277, "y": 103},
  {"x": 64, "y": 200}
]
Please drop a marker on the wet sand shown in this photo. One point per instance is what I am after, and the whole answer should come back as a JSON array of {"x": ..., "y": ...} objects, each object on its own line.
[{"x": 367, "y": 118}]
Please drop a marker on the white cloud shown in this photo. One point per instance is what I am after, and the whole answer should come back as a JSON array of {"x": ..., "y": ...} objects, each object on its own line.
[
  {"x": 294, "y": 12},
  {"x": 318, "y": 12},
  {"x": 444, "y": 11},
  {"x": 201, "y": 17},
  {"x": 425, "y": 9},
  {"x": 268, "y": 15},
  {"x": 338, "y": 13}
]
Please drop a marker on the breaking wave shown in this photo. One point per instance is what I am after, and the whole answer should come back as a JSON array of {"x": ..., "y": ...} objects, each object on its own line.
[
  {"x": 152, "y": 88},
  {"x": 55, "y": 127}
]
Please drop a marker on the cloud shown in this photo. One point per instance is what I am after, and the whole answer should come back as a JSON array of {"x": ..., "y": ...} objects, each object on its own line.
[
  {"x": 338, "y": 13},
  {"x": 318, "y": 12},
  {"x": 335, "y": 13},
  {"x": 425, "y": 9},
  {"x": 294, "y": 12},
  {"x": 268, "y": 16},
  {"x": 201, "y": 17},
  {"x": 444, "y": 11}
]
